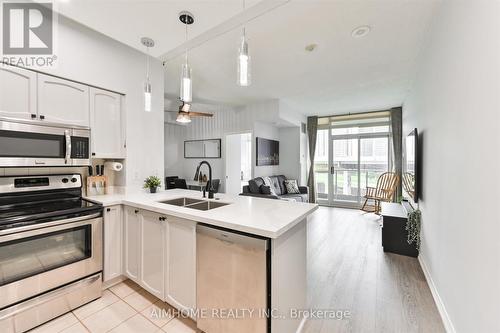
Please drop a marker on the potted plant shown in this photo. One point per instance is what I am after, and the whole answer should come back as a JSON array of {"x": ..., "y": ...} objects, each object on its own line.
[
  {"x": 152, "y": 182},
  {"x": 413, "y": 226}
]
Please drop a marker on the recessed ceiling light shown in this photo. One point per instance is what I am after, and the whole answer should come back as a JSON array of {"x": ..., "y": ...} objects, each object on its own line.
[
  {"x": 361, "y": 31},
  {"x": 311, "y": 47}
]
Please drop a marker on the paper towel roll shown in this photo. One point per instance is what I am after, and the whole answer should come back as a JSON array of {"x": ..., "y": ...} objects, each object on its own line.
[{"x": 115, "y": 166}]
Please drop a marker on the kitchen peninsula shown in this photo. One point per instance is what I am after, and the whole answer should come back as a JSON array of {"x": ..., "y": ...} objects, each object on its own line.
[{"x": 184, "y": 249}]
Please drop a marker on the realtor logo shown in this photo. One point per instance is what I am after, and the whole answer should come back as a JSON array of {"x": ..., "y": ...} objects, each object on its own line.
[{"x": 27, "y": 28}]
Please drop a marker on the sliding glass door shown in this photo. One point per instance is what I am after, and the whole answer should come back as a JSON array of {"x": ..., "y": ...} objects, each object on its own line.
[
  {"x": 350, "y": 156},
  {"x": 345, "y": 172}
]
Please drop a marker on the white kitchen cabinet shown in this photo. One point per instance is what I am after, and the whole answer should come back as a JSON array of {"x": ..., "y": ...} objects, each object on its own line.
[
  {"x": 63, "y": 101},
  {"x": 152, "y": 253},
  {"x": 180, "y": 290},
  {"x": 17, "y": 93},
  {"x": 106, "y": 123},
  {"x": 113, "y": 236},
  {"x": 131, "y": 245}
]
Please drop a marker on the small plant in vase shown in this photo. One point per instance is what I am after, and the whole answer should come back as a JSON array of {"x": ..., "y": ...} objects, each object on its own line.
[{"x": 152, "y": 182}]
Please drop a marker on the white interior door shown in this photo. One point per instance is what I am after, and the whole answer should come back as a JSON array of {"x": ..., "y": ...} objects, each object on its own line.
[{"x": 233, "y": 164}]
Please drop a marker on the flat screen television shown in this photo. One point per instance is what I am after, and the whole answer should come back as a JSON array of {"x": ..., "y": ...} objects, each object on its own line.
[
  {"x": 410, "y": 167},
  {"x": 267, "y": 151}
]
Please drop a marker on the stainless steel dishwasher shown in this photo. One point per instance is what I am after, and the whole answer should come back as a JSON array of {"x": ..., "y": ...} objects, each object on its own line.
[{"x": 233, "y": 281}]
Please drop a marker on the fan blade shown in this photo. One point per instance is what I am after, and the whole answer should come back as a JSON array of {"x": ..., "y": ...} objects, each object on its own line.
[{"x": 200, "y": 114}]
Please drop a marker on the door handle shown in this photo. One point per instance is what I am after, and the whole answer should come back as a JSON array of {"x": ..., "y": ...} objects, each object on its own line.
[
  {"x": 68, "y": 146},
  {"x": 332, "y": 170}
]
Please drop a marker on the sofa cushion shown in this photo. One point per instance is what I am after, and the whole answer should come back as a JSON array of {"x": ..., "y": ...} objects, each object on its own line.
[
  {"x": 295, "y": 197},
  {"x": 255, "y": 184},
  {"x": 281, "y": 180},
  {"x": 274, "y": 183}
]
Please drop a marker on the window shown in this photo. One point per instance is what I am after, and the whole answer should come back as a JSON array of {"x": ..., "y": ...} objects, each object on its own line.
[{"x": 358, "y": 155}]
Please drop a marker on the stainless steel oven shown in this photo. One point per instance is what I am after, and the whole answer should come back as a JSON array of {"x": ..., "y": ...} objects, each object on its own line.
[
  {"x": 28, "y": 144},
  {"x": 37, "y": 260},
  {"x": 50, "y": 249}
]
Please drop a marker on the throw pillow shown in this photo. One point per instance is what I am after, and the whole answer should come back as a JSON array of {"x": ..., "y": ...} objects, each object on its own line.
[
  {"x": 267, "y": 182},
  {"x": 264, "y": 189},
  {"x": 291, "y": 186},
  {"x": 254, "y": 185}
]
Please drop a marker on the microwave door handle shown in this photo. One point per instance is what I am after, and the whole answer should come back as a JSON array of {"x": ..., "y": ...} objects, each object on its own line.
[{"x": 68, "y": 146}]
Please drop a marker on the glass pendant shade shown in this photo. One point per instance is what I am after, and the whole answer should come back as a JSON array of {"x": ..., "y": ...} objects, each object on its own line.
[
  {"x": 147, "y": 42},
  {"x": 244, "y": 77},
  {"x": 183, "y": 118},
  {"x": 186, "y": 87},
  {"x": 147, "y": 96}
]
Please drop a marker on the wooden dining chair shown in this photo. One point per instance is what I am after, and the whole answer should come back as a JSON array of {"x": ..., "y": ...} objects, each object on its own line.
[{"x": 387, "y": 185}]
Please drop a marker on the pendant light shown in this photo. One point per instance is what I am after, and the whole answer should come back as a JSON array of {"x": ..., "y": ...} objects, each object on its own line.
[
  {"x": 243, "y": 61},
  {"x": 147, "y": 42},
  {"x": 186, "y": 84}
]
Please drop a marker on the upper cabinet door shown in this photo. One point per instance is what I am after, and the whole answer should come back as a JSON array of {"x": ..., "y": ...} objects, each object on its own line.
[
  {"x": 17, "y": 93},
  {"x": 63, "y": 101},
  {"x": 106, "y": 124}
]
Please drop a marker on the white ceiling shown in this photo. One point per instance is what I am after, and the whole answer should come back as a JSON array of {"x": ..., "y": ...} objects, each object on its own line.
[
  {"x": 343, "y": 74},
  {"x": 129, "y": 20}
]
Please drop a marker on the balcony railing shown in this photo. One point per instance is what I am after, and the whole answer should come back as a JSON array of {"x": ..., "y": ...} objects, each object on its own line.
[{"x": 347, "y": 189}]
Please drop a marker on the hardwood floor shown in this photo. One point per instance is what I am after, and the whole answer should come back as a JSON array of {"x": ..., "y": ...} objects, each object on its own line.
[{"x": 348, "y": 270}]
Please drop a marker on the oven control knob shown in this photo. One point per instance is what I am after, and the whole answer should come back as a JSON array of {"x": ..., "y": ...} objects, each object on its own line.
[
  {"x": 65, "y": 180},
  {"x": 74, "y": 180}
]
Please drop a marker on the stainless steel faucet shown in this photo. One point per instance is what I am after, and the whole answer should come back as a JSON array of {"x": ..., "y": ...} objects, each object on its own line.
[{"x": 210, "y": 189}]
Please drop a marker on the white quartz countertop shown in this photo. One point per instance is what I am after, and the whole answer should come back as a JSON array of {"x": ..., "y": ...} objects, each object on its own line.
[{"x": 258, "y": 216}]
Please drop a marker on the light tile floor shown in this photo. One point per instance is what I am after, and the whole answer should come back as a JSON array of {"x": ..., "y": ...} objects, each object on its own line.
[{"x": 123, "y": 308}]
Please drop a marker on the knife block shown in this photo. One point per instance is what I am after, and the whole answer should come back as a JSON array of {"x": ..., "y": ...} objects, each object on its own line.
[{"x": 96, "y": 185}]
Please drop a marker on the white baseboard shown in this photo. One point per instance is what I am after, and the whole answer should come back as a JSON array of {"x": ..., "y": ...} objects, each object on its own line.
[{"x": 448, "y": 325}]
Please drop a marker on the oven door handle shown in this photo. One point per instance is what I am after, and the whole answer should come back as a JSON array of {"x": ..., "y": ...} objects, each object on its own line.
[
  {"x": 68, "y": 146},
  {"x": 20, "y": 232}
]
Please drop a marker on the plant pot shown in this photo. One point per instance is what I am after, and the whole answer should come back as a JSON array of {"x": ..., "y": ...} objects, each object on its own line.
[{"x": 152, "y": 189}]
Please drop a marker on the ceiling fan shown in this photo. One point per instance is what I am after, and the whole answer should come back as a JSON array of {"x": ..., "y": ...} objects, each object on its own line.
[{"x": 184, "y": 114}]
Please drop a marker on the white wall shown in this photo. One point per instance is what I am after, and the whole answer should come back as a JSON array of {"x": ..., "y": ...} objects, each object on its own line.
[
  {"x": 289, "y": 138},
  {"x": 87, "y": 56},
  {"x": 174, "y": 149},
  {"x": 455, "y": 106}
]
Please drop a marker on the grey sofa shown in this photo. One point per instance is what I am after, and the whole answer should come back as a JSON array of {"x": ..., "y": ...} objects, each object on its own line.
[{"x": 256, "y": 188}]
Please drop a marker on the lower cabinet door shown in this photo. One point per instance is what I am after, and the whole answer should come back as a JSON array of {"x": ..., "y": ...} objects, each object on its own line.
[
  {"x": 181, "y": 263},
  {"x": 112, "y": 242},
  {"x": 152, "y": 253},
  {"x": 131, "y": 244}
]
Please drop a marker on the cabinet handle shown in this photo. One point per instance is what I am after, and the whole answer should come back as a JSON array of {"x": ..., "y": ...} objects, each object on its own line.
[
  {"x": 162, "y": 218},
  {"x": 136, "y": 211},
  {"x": 108, "y": 209},
  {"x": 33, "y": 116},
  {"x": 42, "y": 117}
]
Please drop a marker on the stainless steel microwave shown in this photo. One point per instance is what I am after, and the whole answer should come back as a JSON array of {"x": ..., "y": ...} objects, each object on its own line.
[{"x": 33, "y": 145}]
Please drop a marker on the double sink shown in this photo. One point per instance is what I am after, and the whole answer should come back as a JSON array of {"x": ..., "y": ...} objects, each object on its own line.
[{"x": 194, "y": 203}]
